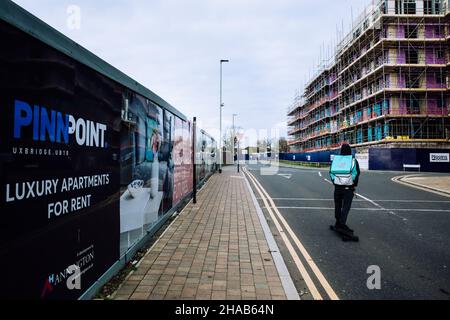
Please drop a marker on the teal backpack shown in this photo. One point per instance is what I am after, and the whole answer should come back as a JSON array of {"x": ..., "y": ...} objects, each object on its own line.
[{"x": 343, "y": 171}]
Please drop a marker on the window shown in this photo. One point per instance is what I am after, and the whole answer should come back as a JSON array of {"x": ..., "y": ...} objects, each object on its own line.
[
  {"x": 386, "y": 56},
  {"x": 411, "y": 31},
  {"x": 140, "y": 141},
  {"x": 412, "y": 81},
  {"x": 437, "y": 31},
  {"x": 437, "y": 7},
  {"x": 382, "y": 9},
  {"x": 439, "y": 54},
  {"x": 409, "y": 7},
  {"x": 412, "y": 105},
  {"x": 398, "y": 7},
  {"x": 439, "y": 78},
  {"x": 412, "y": 56},
  {"x": 387, "y": 80},
  {"x": 440, "y": 104},
  {"x": 428, "y": 7},
  {"x": 432, "y": 6},
  {"x": 379, "y": 84},
  {"x": 366, "y": 24}
]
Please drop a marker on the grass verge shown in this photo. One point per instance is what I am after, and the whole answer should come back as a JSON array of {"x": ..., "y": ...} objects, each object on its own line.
[{"x": 306, "y": 164}]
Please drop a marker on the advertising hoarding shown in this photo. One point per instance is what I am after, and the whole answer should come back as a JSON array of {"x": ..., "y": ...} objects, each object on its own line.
[
  {"x": 59, "y": 169},
  {"x": 183, "y": 182},
  {"x": 88, "y": 169}
]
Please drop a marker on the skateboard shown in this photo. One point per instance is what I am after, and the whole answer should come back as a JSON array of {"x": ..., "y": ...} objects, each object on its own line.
[{"x": 346, "y": 237}]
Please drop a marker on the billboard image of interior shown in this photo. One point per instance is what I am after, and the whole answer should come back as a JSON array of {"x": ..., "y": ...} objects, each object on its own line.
[
  {"x": 147, "y": 168},
  {"x": 88, "y": 168}
]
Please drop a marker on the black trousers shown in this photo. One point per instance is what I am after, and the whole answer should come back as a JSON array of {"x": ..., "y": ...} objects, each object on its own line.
[{"x": 343, "y": 198}]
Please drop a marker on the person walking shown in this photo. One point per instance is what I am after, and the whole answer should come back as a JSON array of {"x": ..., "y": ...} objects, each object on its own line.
[{"x": 344, "y": 173}]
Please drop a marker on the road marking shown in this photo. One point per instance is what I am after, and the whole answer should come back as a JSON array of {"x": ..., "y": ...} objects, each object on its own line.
[
  {"x": 399, "y": 201},
  {"x": 283, "y": 272},
  {"x": 320, "y": 174},
  {"x": 376, "y": 205},
  {"x": 381, "y": 207},
  {"x": 309, "y": 283},
  {"x": 366, "y": 209},
  {"x": 326, "y": 286},
  {"x": 287, "y": 176}
]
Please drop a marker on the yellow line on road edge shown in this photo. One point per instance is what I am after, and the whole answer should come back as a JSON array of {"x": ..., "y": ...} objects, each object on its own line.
[
  {"x": 325, "y": 284},
  {"x": 309, "y": 283}
]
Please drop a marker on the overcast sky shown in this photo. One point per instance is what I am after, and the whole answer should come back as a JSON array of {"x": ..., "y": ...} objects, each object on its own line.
[{"x": 173, "y": 47}]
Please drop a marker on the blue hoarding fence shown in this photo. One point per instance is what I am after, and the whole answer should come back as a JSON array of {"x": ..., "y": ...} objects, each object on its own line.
[
  {"x": 388, "y": 159},
  {"x": 320, "y": 156},
  {"x": 430, "y": 160}
]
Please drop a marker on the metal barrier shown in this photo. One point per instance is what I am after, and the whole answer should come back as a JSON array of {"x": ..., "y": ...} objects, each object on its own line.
[{"x": 411, "y": 166}]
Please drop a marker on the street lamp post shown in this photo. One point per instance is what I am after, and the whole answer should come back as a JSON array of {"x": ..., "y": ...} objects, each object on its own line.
[{"x": 221, "y": 109}]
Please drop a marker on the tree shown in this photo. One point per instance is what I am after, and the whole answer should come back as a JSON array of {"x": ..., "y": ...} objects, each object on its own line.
[
  {"x": 263, "y": 145},
  {"x": 229, "y": 135},
  {"x": 228, "y": 143},
  {"x": 283, "y": 145}
]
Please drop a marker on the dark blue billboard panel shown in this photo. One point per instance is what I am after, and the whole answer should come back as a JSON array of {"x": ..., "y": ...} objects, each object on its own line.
[
  {"x": 59, "y": 170},
  {"x": 430, "y": 160}
]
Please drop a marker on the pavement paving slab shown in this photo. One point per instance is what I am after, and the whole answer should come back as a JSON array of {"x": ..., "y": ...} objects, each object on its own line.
[{"x": 215, "y": 250}]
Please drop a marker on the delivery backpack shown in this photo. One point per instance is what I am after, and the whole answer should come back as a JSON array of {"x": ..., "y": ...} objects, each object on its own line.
[{"x": 343, "y": 170}]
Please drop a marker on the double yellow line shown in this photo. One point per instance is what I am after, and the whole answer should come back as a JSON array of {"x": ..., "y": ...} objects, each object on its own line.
[{"x": 281, "y": 226}]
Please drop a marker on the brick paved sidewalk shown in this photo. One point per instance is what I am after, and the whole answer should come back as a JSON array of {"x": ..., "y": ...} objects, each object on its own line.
[{"x": 214, "y": 250}]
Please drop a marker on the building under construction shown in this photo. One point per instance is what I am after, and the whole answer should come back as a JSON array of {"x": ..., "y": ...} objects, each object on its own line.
[{"x": 386, "y": 85}]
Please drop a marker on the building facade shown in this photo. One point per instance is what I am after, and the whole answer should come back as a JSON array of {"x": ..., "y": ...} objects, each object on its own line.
[{"x": 386, "y": 86}]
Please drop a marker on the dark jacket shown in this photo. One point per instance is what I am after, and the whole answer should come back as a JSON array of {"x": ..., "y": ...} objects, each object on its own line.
[{"x": 358, "y": 175}]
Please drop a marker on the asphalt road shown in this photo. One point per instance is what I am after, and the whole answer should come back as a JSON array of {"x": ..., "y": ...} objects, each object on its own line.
[{"x": 404, "y": 231}]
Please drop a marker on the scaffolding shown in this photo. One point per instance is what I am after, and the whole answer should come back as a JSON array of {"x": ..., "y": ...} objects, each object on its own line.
[{"x": 387, "y": 83}]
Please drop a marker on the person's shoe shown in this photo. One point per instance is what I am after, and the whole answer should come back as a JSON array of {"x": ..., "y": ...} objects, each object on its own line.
[
  {"x": 347, "y": 229},
  {"x": 339, "y": 227}
]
